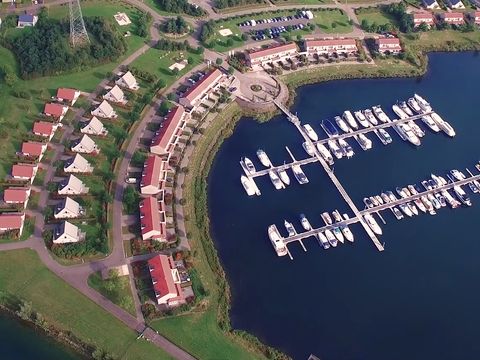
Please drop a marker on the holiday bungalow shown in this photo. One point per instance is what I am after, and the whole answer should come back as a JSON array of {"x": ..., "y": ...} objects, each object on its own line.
[
  {"x": 152, "y": 219},
  {"x": 68, "y": 209},
  {"x": 455, "y": 4},
  {"x": 85, "y": 146},
  {"x": 44, "y": 129},
  {"x": 72, "y": 186},
  {"x": 16, "y": 195},
  {"x": 77, "y": 164},
  {"x": 170, "y": 131},
  {"x": 94, "y": 127},
  {"x": 26, "y": 20},
  {"x": 56, "y": 111},
  {"x": 69, "y": 96},
  {"x": 201, "y": 89},
  {"x": 166, "y": 281},
  {"x": 128, "y": 81},
  {"x": 430, "y": 4},
  {"x": 24, "y": 172},
  {"x": 115, "y": 95},
  {"x": 11, "y": 222},
  {"x": 153, "y": 175},
  {"x": 66, "y": 233},
  {"x": 34, "y": 149}
]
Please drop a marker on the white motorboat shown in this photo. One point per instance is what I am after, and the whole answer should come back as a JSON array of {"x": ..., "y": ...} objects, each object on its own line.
[
  {"x": 299, "y": 174},
  {"x": 347, "y": 233},
  {"x": 327, "y": 218},
  {"x": 247, "y": 185},
  {"x": 416, "y": 129},
  {"x": 372, "y": 223},
  {"x": 403, "y": 105},
  {"x": 263, "y": 157},
  {"x": 338, "y": 234},
  {"x": 443, "y": 125},
  {"x": 424, "y": 104},
  {"x": 361, "y": 119},
  {"x": 249, "y": 165},
  {"x": 277, "y": 241},
  {"x": 323, "y": 240},
  {"x": 331, "y": 238},
  {"x": 414, "y": 105},
  {"x": 325, "y": 153},
  {"x": 380, "y": 114},
  {"x": 427, "y": 120},
  {"x": 305, "y": 223},
  {"x": 347, "y": 148},
  {"x": 370, "y": 117},
  {"x": 342, "y": 124},
  {"x": 399, "y": 112},
  {"x": 282, "y": 174},
  {"x": 457, "y": 174},
  {"x": 335, "y": 149},
  {"x": 290, "y": 229},
  {"x": 348, "y": 117},
  {"x": 310, "y": 132},
  {"x": 364, "y": 142},
  {"x": 308, "y": 148},
  {"x": 276, "y": 180}
]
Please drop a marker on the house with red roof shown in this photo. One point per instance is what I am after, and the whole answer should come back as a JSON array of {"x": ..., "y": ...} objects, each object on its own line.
[
  {"x": 16, "y": 195},
  {"x": 12, "y": 221},
  {"x": 170, "y": 131},
  {"x": 69, "y": 96},
  {"x": 390, "y": 45},
  {"x": 34, "y": 149},
  {"x": 24, "y": 172},
  {"x": 57, "y": 111},
  {"x": 44, "y": 129},
  {"x": 475, "y": 16},
  {"x": 152, "y": 219},
  {"x": 201, "y": 89},
  {"x": 257, "y": 58},
  {"x": 423, "y": 17},
  {"x": 452, "y": 18},
  {"x": 166, "y": 281},
  {"x": 154, "y": 175},
  {"x": 330, "y": 46}
]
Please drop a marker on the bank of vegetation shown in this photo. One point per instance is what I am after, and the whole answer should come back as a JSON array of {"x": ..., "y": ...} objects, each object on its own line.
[
  {"x": 45, "y": 50},
  {"x": 180, "y": 7}
]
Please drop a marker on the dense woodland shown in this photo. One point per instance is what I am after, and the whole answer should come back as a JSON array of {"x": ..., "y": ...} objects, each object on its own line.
[
  {"x": 175, "y": 26},
  {"x": 45, "y": 49},
  {"x": 222, "y": 4},
  {"x": 180, "y": 7}
]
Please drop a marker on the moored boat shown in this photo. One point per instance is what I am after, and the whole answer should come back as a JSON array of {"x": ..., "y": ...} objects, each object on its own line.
[
  {"x": 372, "y": 223},
  {"x": 427, "y": 119},
  {"x": 276, "y": 180},
  {"x": 305, "y": 223},
  {"x": 370, "y": 117},
  {"x": 329, "y": 127},
  {"x": 326, "y": 155},
  {"x": 342, "y": 124},
  {"x": 414, "y": 105},
  {"x": 247, "y": 185},
  {"x": 290, "y": 229},
  {"x": 282, "y": 174},
  {"x": 335, "y": 149},
  {"x": 462, "y": 195},
  {"x": 384, "y": 136},
  {"x": 331, "y": 238},
  {"x": 403, "y": 105},
  {"x": 347, "y": 233},
  {"x": 308, "y": 148},
  {"x": 323, "y": 240},
  {"x": 361, "y": 119},
  {"x": 347, "y": 148},
  {"x": 338, "y": 234},
  {"x": 277, "y": 241},
  {"x": 380, "y": 114},
  {"x": 249, "y": 165},
  {"x": 263, "y": 157},
  {"x": 348, "y": 117},
  {"x": 424, "y": 104},
  {"x": 310, "y": 132},
  {"x": 299, "y": 174}
]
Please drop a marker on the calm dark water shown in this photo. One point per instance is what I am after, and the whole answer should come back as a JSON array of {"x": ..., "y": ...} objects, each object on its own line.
[
  {"x": 18, "y": 341},
  {"x": 419, "y": 299}
]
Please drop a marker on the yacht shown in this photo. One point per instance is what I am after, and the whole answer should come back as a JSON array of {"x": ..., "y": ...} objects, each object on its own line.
[
  {"x": 424, "y": 105},
  {"x": 310, "y": 132},
  {"x": 348, "y": 117},
  {"x": 249, "y": 165},
  {"x": 406, "y": 191},
  {"x": 299, "y": 174},
  {"x": 372, "y": 223},
  {"x": 347, "y": 233},
  {"x": 290, "y": 229},
  {"x": 363, "y": 141},
  {"x": 458, "y": 175},
  {"x": 434, "y": 201},
  {"x": 331, "y": 238},
  {"x": 412, "y": 190},
  {"x": 428, "y": 205},
  {"x": 326, "y": 217},
  {"x": 263, "y": 157},
  {"x": 374, "y": 201},
  {"x": 305, "y": 223},
  {"x": 370, "y": 117},
  {"x": 409, "y": 134},
  {"x": 426, "y": 185},
  {"x": 368, "y": 203},
  {"x": 276, "y": 180},
  {"x": 384, "y": 136},
  {"x": 399, "y": 112},
  {"x": 326, "y": 155},
  {"x": 379, "y": 199},
  {"x": 308, "y": 148},
  {"x": 474, "y": 186},
  {"x": 336, "y": 216},
  {"x": 338, "y": 234},
  {"x": 413, "y": 208},
  {"x": 403, "y": 105},
  {"x": 416, "y": 129},
  {"x": 277, "y": 241},
  {"x": 282, "y": 174},
  {"x": 385, "y": 198},
  {"x": 335, "y": 149},
  {"x": 329, "y": 128},
  {"x": 361, "y": 119},
  {"x": 398, "y": 214},
  {"x": 443, "y": 125},
  {"x": 380, "y": 114},
  {"x": 400, "y": 192},
  {"x": 414, "y": 105},
  {"x": 405, "y": 209},
  {"x": 454, "y": 203},
  {"x": 347, "y": 148},
  {"x": 441, "y": 199},
  {"x": 342, "y": 124},
  {"x": 420, "y": 205},
  {"x": 427, "y": 119},
  {"x": 323, "y": 240},
  {"x": 462, "y": 196},
  {"x": 247, "y": 185},
  {"x": 437, "y": 180},
  {"x": 392, "y": 196}
]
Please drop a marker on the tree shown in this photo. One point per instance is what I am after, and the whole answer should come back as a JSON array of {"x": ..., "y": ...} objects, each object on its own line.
[
  {"x": 231, "y": 70},
  {"x": 219, "y": 61},
  {"x": 229, "y": 42},
  {"x": 244, "y": 37},
  {"x": 171, "y": 96}
]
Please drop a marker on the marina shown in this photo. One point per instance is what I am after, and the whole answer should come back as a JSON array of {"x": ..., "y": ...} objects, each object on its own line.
[{"x": 434, "y": 195}]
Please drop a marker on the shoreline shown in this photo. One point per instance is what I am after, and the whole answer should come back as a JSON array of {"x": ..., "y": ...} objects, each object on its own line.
[{"x": 196, "y": 182}]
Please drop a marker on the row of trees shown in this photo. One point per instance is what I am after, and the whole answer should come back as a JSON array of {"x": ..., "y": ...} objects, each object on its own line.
[
  {"x": 45, "y": 50},
  {"x": 175, "y": 26},
  {"x": 180, "y": 7},
  {"x": 142, "y": 23},
  {"x": 398, "y": 12},
  {"x": 222, "y": 4}
]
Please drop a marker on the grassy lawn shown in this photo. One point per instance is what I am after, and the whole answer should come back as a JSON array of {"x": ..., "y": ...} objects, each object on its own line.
[
  {"x": 332, "y": 21},
  {"x": 375, "y": 16},
  {"x": 435, "y": 39},
  {"x": 302, "y": 2},
  {"x": 67, "y": 309},
  {"x": 117, "y": 291},
  {"x": 157, "y": 62}
]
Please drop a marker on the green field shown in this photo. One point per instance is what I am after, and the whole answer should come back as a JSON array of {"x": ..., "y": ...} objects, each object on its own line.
[
  {"x": 67, "y": 309},
  {"x": 332, "y": 21},
  {"x": 375, "y": 16}
]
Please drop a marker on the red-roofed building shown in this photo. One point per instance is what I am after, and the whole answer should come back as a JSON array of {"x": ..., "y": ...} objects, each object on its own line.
[
  {"x": 167, "y": 136},
  {"x": 389, "y": 45},
  {"x": 45, "y": 129},
  {"x": 196, "y": 93},
  {"x": 55, "y": 110},
  {"x": 34, "y": 149},
  {"x": 166, "y": 281},
  {"x": 256, "y": 59},
  {"x": 24, "y": 172},
  {"x": 452, "y": 18},
  {"x": 9, "y": 222},
  {"x": 16, "y": 195},
  {"x": 68, "y": 95},
  {"x": 153, "y": 175},
  {"x": 423, "y": 17},
  {"x": 475, "y": 16},
  {"x": 330, "y": 46},
  {"x": 152, "y": 219}
]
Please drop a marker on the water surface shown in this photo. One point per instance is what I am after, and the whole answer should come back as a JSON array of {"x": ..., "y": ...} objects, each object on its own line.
[{"x": 416, "y": 300}]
